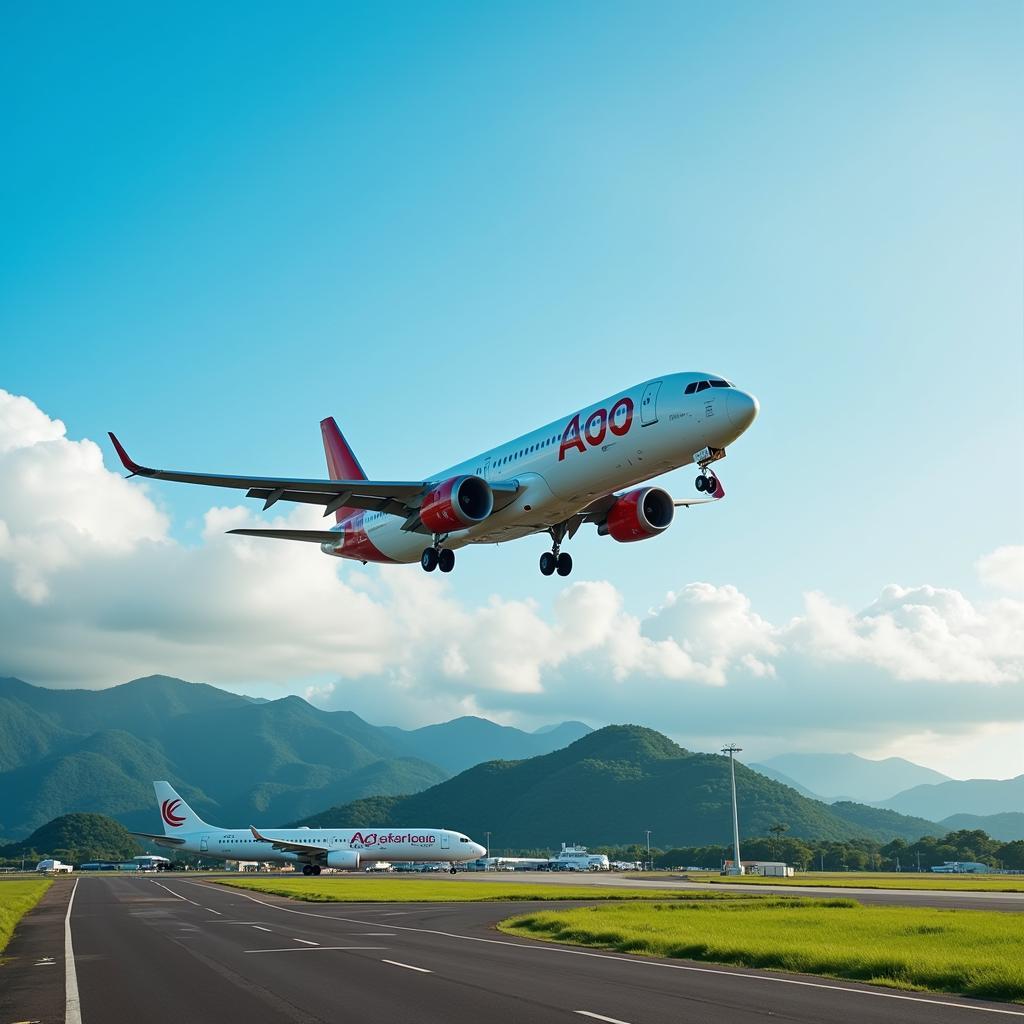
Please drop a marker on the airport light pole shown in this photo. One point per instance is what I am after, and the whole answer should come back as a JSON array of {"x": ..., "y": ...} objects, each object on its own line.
[
  {"x": 648, "y": 831},
  {"x": 737, "y": 866}
]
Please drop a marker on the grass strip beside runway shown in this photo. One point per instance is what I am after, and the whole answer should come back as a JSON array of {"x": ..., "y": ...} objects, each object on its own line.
[
  {"x": 341, "y": 889},
  {"x": 17, "y": 898},
  {"x": 867, "y": 880},
  {"x": 971, "y": 952}
]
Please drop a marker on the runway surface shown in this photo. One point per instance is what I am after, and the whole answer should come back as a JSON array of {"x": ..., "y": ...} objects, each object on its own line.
[{"x": 169, "y": 950}]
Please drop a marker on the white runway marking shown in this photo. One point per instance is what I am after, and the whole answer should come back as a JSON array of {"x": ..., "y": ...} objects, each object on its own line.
[
  {"x": 638, "y": 962},
  {"x": 178, "y": 895},
  {"x": 310, "y": 949},
  {"x": 72, "y": 1004},
  {"x": 260, "y": 928},
  {"x": 212, "y": 911},
  {"x": 305, "y": 941},
  {"x": 408, "y": 967},
  {"x": 599, "y": 1016},
  {"x": 379, "y": 934}
]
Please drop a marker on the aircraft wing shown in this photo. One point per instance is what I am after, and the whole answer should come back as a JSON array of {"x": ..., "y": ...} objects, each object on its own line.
[
  {"x": 399, "y": 497},
  {"x": 159, "y": 840},
  {"x": 288, "y": 846}
]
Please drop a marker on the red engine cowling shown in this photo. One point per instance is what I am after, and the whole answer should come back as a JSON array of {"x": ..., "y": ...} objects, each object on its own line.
[
  {"x": 639, "y": 514},
  {"x": 456, "y": 504}
]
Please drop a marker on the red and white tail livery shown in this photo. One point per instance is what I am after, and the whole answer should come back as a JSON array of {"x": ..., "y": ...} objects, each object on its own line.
[{"x": 588, "y": 467}]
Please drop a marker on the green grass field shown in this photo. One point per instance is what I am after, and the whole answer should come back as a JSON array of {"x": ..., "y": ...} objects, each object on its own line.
[
  {"x": 873, "y": 880},
  {"x": 412, "y": 890},
  {"x": 971, "y": 952},
  {"x": 17, "y": 898}
]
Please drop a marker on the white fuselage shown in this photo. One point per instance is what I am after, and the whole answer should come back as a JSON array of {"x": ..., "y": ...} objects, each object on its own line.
[
  {"x": 563, "y": 466},
  {"x": 423, "y": 844}
]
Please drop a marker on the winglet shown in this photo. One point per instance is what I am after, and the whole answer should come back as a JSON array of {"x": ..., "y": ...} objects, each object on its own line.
[
  {"x": 133, "y": 467},
  {"x": 257, "y": 836}
]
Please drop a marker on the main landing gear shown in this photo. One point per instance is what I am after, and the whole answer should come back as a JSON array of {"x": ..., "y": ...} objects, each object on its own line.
[
  {"x": 452, "y": 870},
  {"x": 555, "y": 561},
  {"x": 311, "y": 869},
  {"x": 436, "y": 557}
]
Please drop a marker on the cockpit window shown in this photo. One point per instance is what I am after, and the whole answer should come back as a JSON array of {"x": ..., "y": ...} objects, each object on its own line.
[
  {"x": 716, "y": 383},
  {"x": 690, "y": 388},
  {"x": 703, "y": 385}
]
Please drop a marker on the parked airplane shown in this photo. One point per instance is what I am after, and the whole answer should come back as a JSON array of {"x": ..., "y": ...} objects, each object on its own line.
[
  {"x": 313, "y": 848},
  {"x": 549, "y": 481}
]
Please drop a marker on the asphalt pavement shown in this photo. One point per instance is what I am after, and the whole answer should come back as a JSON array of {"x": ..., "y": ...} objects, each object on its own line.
[{"x": 169, "y": 949}]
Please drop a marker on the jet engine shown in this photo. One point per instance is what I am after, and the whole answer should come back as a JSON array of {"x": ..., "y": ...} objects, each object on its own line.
[
  {"x": 639, "y": 514},
  {"x": 456, "y": 504},
  {"x": 342, "y": 859}
]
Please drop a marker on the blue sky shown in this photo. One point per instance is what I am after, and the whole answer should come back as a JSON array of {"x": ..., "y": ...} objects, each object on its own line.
[{"x": 447, "y": 224}]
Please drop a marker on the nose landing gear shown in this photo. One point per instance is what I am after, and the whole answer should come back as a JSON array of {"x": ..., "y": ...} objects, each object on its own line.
[{"x": 707, "y": 482}]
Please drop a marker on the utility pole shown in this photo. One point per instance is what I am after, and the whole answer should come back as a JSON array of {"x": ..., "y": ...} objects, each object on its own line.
[
  {"x": 737, "y": 867},
  {"x": 648, "y": 849}
]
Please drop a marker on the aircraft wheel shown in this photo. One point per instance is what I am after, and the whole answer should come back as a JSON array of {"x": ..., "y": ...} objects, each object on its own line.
[
  {"x": 711, "y": 484},
  {"x": 446, "y": 559},
  {"x": 429, "y": 559},
  {"x": 316, "y": 869},
  {"x": 701, "y": 483},
  {"x": 564, "y": 564},
  {"x": 451, "y": 870},
  {"x": 307, "y": 869},
  {"x": 548, "y": 563}
]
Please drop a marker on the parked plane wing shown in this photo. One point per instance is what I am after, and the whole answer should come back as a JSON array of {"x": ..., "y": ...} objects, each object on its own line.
[
  {"x": 159, "y": 840},
  {"x": 288, "y": 845}
]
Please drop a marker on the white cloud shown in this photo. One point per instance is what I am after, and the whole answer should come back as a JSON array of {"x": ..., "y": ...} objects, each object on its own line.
[
  {"x": 1003, "y": 568},
  {"x": 94, "y": 590}
]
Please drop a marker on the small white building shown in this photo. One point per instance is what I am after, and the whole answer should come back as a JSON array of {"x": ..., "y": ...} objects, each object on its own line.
[
  {"x": 962, "y": 867},
  {"x": 768, "y": 868},
  {"x": 151, "y": 863},
  {"x": 52, "y": 866},
  {"x": 579, "y": 858}
]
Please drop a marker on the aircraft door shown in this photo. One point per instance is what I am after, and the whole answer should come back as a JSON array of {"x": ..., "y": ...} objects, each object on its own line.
[
  {"x": 204, "y": 844},
  {"x": 649, "y": 404},
  {"x": 445, "y": 841}
]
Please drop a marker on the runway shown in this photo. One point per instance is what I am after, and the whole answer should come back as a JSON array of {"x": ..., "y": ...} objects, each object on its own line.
[{"x": 168, "y": 950}]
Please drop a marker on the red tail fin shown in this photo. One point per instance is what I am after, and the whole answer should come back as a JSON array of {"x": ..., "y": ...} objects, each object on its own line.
[{"x": 341, "y": 462}]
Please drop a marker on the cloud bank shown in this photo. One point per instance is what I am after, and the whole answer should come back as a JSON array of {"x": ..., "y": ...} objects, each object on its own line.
[{"x": 94, "y": 590}]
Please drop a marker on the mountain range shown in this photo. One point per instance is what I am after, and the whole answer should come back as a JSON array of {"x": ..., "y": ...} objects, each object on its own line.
[
  {"x": 849, "y": 776},
  {"x": 983, "y": 797},
  {"x": 609, "y": 787},
  {"x": 235, "y": 758}
]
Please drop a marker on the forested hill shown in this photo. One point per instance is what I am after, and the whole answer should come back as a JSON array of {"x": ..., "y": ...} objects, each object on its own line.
[
  {"x": 611, "y": 786},
  {"x": 239, "y": 761}
]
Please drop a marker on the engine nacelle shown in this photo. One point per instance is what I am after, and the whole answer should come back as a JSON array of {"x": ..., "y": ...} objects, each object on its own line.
[
  {"x": 456, "y": 504},
  {"x": 639, "y": 514},
  {"x": 343, "y": 859}
]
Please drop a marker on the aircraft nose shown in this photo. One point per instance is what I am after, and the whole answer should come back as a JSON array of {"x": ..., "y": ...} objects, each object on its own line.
[{"x": 742, "y": 409}]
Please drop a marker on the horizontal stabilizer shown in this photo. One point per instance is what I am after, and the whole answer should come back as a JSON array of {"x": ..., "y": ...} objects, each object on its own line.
[
  {"x": 159, "y": 840},
  {"x": 311, "y": 536}
]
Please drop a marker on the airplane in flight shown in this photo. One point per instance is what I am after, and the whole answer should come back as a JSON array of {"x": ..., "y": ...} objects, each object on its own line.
[
  {"x": 313, "y": 848},
  {"x": 588, "y": 467}
]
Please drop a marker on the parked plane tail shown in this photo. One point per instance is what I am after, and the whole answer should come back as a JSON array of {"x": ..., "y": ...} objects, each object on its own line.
[{"x": 175, "y": 814}]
